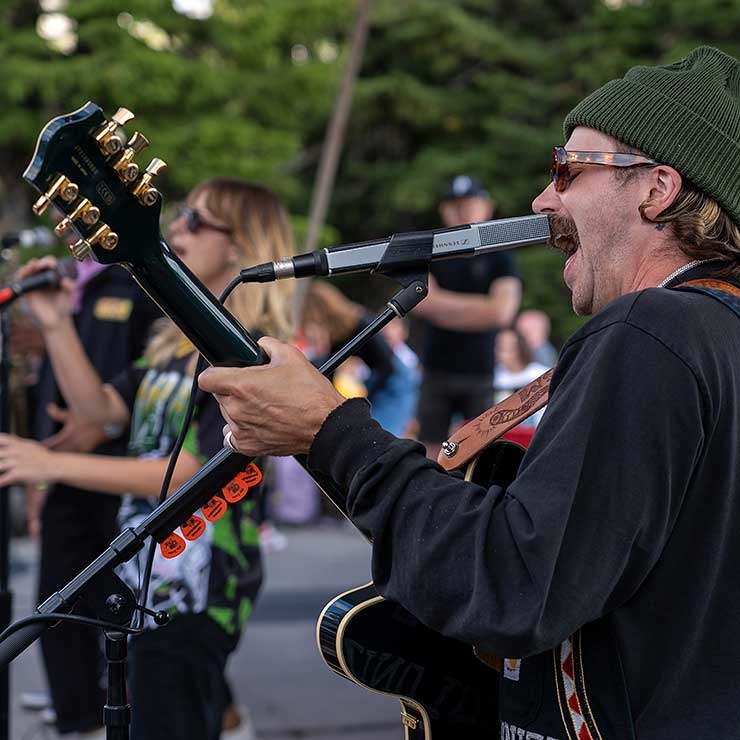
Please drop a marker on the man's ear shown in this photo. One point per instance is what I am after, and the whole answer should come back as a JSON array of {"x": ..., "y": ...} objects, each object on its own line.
[{"x": 664, "y": 184}]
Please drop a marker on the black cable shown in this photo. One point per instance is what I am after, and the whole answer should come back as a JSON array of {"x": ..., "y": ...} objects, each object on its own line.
[
  {"x": 64, "y": 617},
  {"x": 174, "y": 454}
]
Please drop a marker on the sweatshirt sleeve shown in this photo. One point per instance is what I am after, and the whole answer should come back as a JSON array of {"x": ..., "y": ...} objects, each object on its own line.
[{"x": 516, "y": 571}]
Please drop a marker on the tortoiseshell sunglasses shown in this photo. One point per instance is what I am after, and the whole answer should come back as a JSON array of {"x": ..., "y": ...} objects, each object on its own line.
[{"x": 562, "y": 159}]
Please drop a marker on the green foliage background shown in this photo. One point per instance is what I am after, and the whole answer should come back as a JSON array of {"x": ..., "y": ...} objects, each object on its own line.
[{"x": 446, "y": 86}]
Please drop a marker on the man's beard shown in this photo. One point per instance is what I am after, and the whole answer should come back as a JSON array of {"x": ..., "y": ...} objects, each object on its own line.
[{"x": 563, "y": 235}]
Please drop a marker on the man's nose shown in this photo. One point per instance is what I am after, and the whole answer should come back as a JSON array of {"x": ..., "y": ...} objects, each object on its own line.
[{"x": 546, "y": 201}]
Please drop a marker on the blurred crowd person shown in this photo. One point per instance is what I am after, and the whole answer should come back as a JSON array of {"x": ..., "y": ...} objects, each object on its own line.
[
  {"x": 112, "y": 317},
  {"x": 329, "y": 319},
  {"x": 534, "y": 325},
  {"x": 468, "y": 301},
  {"x": 394, "y": 401},
  {"x": 176, "y": 673},
  {"x": 515, "y": 367}
]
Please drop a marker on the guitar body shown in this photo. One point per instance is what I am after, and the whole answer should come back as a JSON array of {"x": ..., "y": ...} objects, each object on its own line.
[{"x": 446, "y": 692}]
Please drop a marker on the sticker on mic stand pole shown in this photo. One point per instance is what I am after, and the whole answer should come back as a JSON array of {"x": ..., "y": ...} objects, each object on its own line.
[
  {"x": 193, "y": 528},
  {"x": 172, "y": 546},
  {"x": 240, "y": 484},
  {"x": 235, "y": 490},
  {"x": 214, "y": 509}
]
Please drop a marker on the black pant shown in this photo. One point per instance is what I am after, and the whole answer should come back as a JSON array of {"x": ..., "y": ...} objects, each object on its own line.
[
  {"x": 176, "y": 679},
  {"x": 76, "y": 526}
]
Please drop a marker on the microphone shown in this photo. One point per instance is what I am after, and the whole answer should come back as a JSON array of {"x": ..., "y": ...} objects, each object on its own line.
[
  {"x": 39, "y": 236},
  {"x": 45, "y": 279},
  {"x": 407, "y": 251}
]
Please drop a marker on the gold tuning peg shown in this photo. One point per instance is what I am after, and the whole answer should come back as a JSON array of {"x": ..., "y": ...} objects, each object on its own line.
[
  {"x": 126, "y": 168},
  {"x": 63, "y": 188},
  {"x": 122, "y": 116},
  {"x": 109, "y": 141},
  {"x": 84, "y": 210},
  {"x": 144, "y": 192},
  {"x": 104, "y": 236},
  {"x": 138, "y": 142},
  {"x": 80, "y": 249},
  {"x": 156, "y": 167}
]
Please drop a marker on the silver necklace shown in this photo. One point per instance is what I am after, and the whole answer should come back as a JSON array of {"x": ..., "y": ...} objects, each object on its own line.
[{"x": 682, "y": 269}]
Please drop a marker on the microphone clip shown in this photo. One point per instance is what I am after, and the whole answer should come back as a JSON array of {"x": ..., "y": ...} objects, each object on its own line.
[{"x": 405, "y": 253}]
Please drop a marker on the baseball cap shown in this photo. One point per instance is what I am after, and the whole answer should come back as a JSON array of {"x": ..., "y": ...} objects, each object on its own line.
[{"x": 464, "y": 186}]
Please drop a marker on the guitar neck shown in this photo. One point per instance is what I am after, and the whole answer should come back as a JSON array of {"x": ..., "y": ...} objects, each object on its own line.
[{"x": 216, "y": 333}]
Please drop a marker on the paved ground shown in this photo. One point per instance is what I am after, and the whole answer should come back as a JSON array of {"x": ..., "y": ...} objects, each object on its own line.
[{"x": 276, "y": 670}]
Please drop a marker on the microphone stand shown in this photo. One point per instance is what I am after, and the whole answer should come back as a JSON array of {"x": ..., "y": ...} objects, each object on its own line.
[{"x": 111, "y": 600}]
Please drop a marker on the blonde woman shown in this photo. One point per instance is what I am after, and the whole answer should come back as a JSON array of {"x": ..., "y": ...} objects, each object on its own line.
[{"x": 175, "y": 672}]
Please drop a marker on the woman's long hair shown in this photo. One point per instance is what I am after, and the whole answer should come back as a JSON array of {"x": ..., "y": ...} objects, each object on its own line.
[{"x": 261, "y": 230}]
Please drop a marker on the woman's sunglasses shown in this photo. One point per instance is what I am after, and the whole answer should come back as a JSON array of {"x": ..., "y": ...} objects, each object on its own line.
[
  {"x": 562, "y": 159},
  {"x": 194, "y": 221}
]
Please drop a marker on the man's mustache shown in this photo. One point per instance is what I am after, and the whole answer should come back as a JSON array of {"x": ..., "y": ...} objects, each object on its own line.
[{"x": 563, "y": 234}]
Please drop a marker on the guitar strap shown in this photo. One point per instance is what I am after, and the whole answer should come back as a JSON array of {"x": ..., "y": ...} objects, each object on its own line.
[
  {"x": 472, "y": 438},
  {"x": 721, "y": 290}
]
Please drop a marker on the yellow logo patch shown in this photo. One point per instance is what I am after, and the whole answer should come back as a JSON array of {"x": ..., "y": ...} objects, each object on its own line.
[{"x": 113, "y": 309}]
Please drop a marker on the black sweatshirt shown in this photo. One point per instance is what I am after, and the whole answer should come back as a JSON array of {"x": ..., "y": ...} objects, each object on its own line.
[{"x": 624, "y": 520}]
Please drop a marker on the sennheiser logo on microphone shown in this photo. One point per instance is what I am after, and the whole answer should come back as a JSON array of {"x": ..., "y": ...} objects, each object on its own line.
[{"x": 452, "y": 243}]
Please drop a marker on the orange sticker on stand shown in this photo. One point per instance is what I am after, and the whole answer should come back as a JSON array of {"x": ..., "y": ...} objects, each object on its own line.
[
  {"x": 214, "y": 509},
  {"x": 172, "y": 546},
  {"x": 193, "y": 528},
  {"x": 252, "y": 475},
  {"x": 236, "y": 489}
]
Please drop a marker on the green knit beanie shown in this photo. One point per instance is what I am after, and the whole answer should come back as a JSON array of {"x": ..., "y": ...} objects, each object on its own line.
[{"x": 685, "y": 114}]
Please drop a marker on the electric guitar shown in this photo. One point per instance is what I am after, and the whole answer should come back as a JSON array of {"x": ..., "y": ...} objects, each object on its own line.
[{"x": 84, "y": 164}]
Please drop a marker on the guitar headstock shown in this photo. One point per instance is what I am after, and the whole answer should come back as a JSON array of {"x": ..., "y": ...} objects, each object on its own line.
[{"x": 84, "y": 165}]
